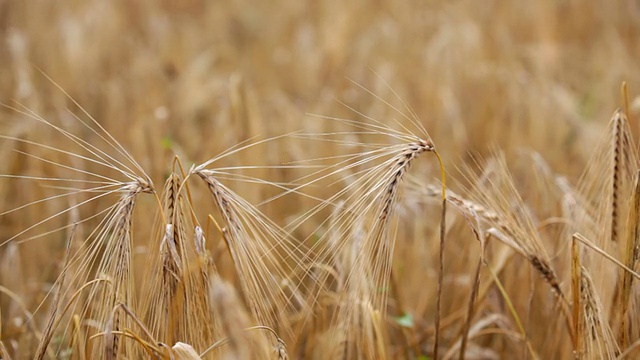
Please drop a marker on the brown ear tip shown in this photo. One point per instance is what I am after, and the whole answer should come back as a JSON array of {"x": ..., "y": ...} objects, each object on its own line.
[{"x": 428, "y": 144}]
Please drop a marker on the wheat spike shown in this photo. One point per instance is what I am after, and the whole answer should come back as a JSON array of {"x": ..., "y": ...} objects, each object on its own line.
[
  {"x": 631, "y": 256},
  {"x": 254, "y": 243},
  {"x": 599, "y": 340},
  {"x": 366, "y": 219}
]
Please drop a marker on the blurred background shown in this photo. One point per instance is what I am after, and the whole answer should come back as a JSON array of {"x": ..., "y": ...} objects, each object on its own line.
[
  {"x": 510, "y": 74},
  {"x": 193, "y": 78}
]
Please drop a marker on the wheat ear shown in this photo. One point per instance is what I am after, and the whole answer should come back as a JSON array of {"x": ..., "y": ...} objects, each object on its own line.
[{"x": 253, "y": 242}]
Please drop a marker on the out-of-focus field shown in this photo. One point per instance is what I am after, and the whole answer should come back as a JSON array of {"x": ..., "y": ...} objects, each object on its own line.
[{"x": 534, "y": 81}]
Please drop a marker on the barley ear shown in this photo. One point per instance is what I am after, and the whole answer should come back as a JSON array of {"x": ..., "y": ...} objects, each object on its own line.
[
  {"x": 622, "y": 146},
  {"x": 600, "y": 342},
  {"x": 631, "y": 256}
]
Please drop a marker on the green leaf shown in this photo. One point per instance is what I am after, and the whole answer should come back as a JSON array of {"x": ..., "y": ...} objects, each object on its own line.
[
  {"x": 167, "y": 143},
  {"x": 405, "y": 320}
]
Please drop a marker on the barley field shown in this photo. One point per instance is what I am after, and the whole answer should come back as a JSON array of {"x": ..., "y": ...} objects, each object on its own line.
[{"x": 319, "y": 179}]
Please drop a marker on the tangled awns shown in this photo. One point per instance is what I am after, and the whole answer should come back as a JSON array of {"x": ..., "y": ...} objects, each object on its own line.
[{"x": 319, "y": 180}]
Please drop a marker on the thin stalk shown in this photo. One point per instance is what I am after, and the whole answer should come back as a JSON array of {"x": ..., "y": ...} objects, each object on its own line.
[{"x": 441, "y": 254}]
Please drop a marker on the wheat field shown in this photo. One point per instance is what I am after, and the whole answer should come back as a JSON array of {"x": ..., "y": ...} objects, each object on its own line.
[{"x": 319, "y": 180}]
